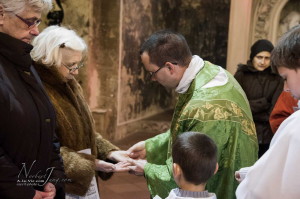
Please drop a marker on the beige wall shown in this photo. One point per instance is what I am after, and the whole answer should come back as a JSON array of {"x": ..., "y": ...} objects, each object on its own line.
[
  {"x": 251, "y": 20},
  {"x": 239, "y": 28}
]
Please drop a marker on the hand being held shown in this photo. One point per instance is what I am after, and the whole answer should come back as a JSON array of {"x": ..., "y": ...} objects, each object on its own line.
[
  {"x": 137, "y": 167},
  {"x": 104, "y": 166},
  {"x": 109, "y": 167},
  {"x": 122, "y": 167}
]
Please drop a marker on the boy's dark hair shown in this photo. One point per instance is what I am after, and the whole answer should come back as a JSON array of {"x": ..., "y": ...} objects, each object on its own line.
[
  {"x": 196, "y": 154},
  {"x": 287, "y": 51},
  {"x": 167, "y": 46}
]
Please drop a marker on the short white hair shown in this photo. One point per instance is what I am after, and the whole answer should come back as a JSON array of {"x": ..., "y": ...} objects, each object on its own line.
[
  {"x": 18, "y": 6},
  {"x": 48, "y": 44}
]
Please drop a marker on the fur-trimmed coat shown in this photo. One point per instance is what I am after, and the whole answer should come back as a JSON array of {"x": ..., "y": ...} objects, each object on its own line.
[{"x": 75, "y": 129}]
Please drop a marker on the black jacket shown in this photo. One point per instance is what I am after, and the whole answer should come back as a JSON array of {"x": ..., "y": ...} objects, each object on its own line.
[
  {"x": 262, "y": 89},
  {"x": 27, "y": 123}
]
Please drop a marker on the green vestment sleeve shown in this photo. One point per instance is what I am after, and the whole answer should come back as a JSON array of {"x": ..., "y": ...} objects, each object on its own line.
[
  {"x": 158, "y": 143},
  {"x": 158, "y": 169}
]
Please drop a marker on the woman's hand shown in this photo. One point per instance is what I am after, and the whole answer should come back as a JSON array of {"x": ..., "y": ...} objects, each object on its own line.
[{"x": 109, "y": 167}]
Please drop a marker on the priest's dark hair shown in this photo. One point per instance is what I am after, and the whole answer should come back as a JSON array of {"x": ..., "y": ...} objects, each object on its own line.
[{"x": 167, "y": 46}]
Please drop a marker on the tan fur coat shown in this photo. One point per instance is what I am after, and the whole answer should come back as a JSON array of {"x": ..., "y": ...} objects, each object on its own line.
[{"x": 75, "y": 129}]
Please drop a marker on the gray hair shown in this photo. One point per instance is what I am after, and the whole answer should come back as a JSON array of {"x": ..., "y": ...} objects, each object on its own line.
[
  {"x": 18, "y": 6},
  {"x": 48, "y": 44}
]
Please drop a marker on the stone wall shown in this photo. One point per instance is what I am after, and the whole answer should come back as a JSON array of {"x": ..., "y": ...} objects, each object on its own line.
[
  {"x": 104, "y": 59},
  {"x": 203, "y": 23},
  {"x": 114, "y": 80}
]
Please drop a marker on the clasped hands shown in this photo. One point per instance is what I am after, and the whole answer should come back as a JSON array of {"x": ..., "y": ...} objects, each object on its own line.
[
  {"x": 132, "y": 160},
  {"x": 48, "y": 193}
]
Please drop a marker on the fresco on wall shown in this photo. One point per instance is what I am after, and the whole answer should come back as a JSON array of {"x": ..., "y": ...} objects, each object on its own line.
[
  {"x": 138, "y": 93},
  {"x": 289, "y": 17},
  {"x": 203, "y": 23}
]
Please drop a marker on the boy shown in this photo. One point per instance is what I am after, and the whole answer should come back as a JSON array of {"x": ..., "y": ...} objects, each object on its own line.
[
  {"x": 194, "y": 162},
  {"x": 276, "y": 174}
]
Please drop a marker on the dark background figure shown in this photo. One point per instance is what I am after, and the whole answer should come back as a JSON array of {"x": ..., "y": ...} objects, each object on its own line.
[
  {"x": 262, "y": 88},
  {"x": 55, "y": 16},
  {"x": 28, "y": 152}
]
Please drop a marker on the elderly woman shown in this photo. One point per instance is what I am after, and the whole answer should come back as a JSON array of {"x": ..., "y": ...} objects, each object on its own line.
[{"x": 58, "y": 54}]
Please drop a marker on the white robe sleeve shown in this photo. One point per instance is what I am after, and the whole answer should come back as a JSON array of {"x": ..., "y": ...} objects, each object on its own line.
[{"x": 276, "y": 174}]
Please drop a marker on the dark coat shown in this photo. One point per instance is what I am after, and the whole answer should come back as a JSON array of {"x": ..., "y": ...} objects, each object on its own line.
[
  {"x": 27, "y": 124},
  {"x": 75, "y": 130},
  {"x": 262, "y": 89}
]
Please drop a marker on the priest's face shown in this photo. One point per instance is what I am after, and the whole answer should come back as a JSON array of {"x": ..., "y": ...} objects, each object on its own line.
[
  {"x": 291, "y": 79},
  {"x": 164, "y": 75}
]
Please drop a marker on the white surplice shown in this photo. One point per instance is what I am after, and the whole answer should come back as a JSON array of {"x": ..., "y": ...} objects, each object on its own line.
[{"x": 276, "y": 174}]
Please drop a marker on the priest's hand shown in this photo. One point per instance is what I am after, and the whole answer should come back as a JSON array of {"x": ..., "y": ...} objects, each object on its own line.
[
  {"x": 137, "y": 167},
  {"x": 137, "y": 151},
  {"x": 119, "y": 156}
]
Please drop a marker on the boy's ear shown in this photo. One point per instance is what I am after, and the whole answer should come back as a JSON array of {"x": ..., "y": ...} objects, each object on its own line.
[
  {"x": 217, "y": 167},
  {"x": 176, "y": 170}
]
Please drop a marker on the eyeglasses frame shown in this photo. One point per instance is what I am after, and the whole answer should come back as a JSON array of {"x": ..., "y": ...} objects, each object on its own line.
[
  {"x": 29, "y": 23},
  {"x": 71, "y": 70},
  {"x": 152, "y": 74}
]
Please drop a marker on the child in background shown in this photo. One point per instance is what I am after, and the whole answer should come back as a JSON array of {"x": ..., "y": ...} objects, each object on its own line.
[
  {"x": 194, "y": 162},
  {"x": 285, "y": 106}
]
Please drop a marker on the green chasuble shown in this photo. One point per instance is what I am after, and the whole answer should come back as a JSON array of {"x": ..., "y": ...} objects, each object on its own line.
[{"x": 221, "y": 112}]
